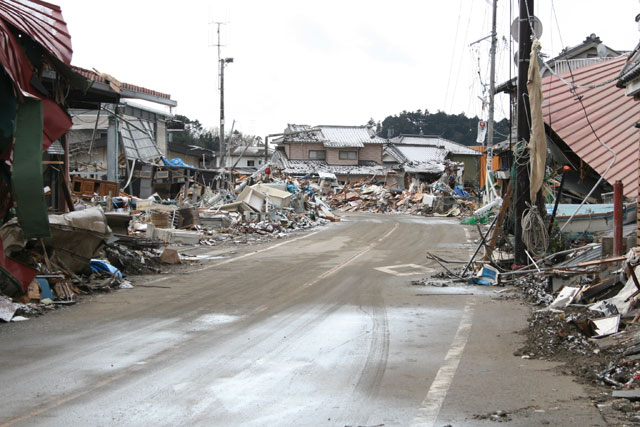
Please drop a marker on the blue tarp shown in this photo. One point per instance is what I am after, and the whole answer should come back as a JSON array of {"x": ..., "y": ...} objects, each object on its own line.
[
  {"x": 176, "y": 162},
  {"x": 459, "y": 190},
  {"x": 98, "y": 265}
]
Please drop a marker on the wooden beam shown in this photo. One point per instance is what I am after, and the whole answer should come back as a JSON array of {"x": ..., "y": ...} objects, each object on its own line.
[
  {"x": 501, "y": 215},
  {"x": 602, "y": 261}
]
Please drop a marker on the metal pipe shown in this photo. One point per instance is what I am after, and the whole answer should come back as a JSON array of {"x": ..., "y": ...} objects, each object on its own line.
[
  {"x": 617, "y": 218},
  {"x": 221, "y": 139},
  {"x": 484, "y": 238},
  {"x": 565, "y": 169}
]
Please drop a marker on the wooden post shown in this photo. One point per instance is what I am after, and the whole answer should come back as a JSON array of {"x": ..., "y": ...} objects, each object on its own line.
[
  {"x": 523, "y": 134},
  {"x": 496, "y": 231}
]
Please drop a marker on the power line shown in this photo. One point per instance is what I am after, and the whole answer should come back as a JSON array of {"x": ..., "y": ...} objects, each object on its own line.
[{"x": 453, "y": 53}]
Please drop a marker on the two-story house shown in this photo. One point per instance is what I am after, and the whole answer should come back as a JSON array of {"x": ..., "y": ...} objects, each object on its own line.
[{"x": 350, "y": 152}]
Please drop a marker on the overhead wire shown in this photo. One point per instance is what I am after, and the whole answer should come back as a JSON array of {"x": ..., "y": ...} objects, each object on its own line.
[
  {"x": 586, "y": 115},
  {"x": 554, "y": 73},
  {"x": 453, "y": 53},
  {"x": 457, "y": 79}
]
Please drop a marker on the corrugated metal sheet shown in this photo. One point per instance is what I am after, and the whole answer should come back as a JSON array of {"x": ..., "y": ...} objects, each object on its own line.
[
  {"x": 43, "y": 22},
  {"x": 611, "y": 113},
  {"x": 56, "y": 148},
  {"x": 348, "y": 136},
  {"x": 590, "y": 253},
  {"x": 138, "y": 139}
]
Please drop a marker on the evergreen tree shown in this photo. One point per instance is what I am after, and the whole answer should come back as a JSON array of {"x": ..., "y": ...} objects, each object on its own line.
[{"x": 454, "y": 127}]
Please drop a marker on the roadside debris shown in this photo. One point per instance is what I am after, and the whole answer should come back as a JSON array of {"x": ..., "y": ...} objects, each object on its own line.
[
  {"x": 437, "y": 199},
  {"x": 105, "y": 240}
]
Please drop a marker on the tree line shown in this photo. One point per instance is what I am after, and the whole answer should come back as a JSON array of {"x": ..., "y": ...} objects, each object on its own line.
[
  {"x": 454, "y": 127},
  {"x": 186, "y": 131}
]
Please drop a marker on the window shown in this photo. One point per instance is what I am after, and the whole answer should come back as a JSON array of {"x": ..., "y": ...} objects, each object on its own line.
[
  {"x": 317, "y": 155},
  {"x": 348, "y": 155},
  {"x": 251, "y": 162}
]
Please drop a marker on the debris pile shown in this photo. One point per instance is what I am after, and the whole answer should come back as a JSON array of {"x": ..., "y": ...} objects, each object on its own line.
[
  {"x": 590, "y": 323},
  {"x": 96, "y": 247},
  {"x": 587, "y": 308},
  {"x": 437, "y": 199}
]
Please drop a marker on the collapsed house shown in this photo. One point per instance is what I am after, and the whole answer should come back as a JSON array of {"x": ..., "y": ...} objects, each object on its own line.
[
  {"x": 424, "y": 158},
  {"x": 129, "y": 145},
  {"x": 591, "y": 139},
  {"x": 569, "y": 113}
]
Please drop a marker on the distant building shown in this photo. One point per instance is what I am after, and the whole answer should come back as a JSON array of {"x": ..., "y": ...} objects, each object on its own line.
[
  {"x": 424, "y": 157},
  {"x": 590, "y": 51},
  {"x": 248, "y": 157},
  {"x": 350, "y": 152}
]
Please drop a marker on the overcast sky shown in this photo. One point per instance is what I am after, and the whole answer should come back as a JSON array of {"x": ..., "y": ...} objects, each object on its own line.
[{"x": 330, "y": 62}]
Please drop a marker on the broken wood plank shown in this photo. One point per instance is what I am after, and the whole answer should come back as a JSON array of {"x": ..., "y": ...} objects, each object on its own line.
[
  {"x": 602, "y": 261},
  {"x": 626, "y": 394},
  {"x": 501, "y": 215}
]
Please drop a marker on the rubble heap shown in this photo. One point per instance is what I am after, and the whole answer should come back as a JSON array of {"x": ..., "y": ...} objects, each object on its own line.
[
  {"x": 96, "y": 247},
  {"x": 436, "y": 199}
]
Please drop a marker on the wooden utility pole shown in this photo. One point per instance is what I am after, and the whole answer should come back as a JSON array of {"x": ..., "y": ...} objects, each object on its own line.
[{"x": 521, "y": 192}]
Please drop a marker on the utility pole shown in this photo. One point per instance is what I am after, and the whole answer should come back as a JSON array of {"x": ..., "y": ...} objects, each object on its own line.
[
  {"x": 523, "y": 133},
  {"x": 492, "y": 89},
  {"x": 492, "y": 77},
  {"x": 222, "y": 147},
  {"x": 221, "y": 143}
]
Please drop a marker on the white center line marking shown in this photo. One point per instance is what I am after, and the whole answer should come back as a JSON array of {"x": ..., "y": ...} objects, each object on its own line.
[
  {"x": 430, "y": 407},
  {"x": 350, "y": 260}
]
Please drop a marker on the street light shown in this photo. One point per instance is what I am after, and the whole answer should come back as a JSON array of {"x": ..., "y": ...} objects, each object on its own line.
[{"x": 221, "y": 145}]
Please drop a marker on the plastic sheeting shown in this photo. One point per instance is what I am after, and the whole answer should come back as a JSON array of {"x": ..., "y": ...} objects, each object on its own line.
[
  {"x": 538, "y": 140},
  {"x": 99, "y": 265},
  {"x": 176, "y": 162}
]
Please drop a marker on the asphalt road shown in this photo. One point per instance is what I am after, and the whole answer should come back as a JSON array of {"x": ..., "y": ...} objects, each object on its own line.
[{"x": 319, "y": 329}]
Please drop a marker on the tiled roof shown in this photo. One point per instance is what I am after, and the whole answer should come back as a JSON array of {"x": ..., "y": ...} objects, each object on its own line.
[
  {"x": 332, "y": 136},
  {"x": 418, "y": 158},
  {"x": 301, "y": 167},
  {"x": 435, "y": 141},
  {"x": 348, "y": 136},
  {"x": 631, "y": 69},
  {"x": 92, "y": 75},
  {"x": 611, "y": 113}
]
